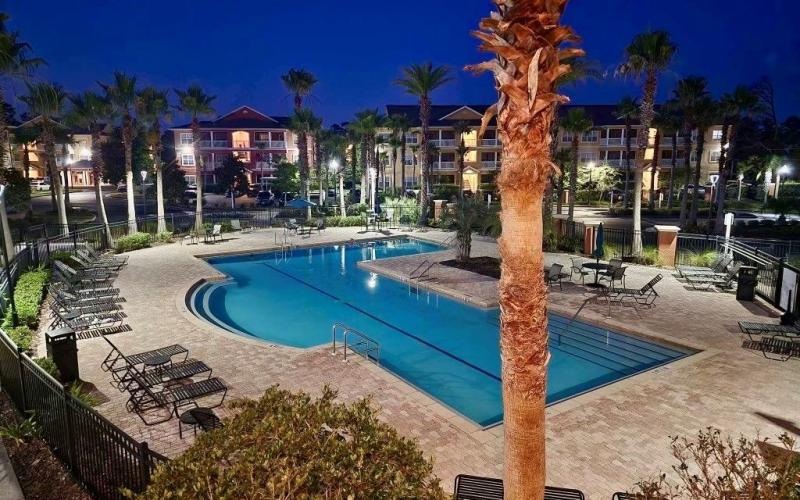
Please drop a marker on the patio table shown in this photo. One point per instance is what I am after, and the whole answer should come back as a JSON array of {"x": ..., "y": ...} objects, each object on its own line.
[{"x": 596, "y": 267}]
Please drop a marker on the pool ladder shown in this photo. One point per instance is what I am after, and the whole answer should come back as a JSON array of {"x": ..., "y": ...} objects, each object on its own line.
[{"x": 357, "y": 342}]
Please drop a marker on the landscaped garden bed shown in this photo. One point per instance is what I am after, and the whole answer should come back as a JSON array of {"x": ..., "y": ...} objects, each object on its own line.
[{"x": 486, "y": 266}]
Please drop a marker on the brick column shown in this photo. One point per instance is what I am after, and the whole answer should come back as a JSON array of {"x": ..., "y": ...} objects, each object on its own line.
[
  {"x": 438, "y": 208},
  {"x": 668, "y": 244},
  {"x": 588, "y": 238}
]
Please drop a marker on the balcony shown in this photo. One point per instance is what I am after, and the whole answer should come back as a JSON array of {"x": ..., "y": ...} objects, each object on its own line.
[
  {"x": 220, "y": 144},
  {"x": 662, "y": 163},
  {"x": 615, "y": 163},
  {"x": 411, "y": 139},
  {"x": 443, "y": 143},
  {"x": 667, "y": 141},
  {"x": 614, "y": 141},
  {"x": 444, "y": 165},
  {"x": 264, "y": 165},
  {"x": 490, "y": 165},
  {"x": 203, "y": 144},
  {"x": 489, "y": 142}
]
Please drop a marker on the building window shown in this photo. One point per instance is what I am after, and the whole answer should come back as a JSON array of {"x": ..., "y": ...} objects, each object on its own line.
[
  {"x": 586, "y": 157},
  {"x": 590, "y": 136},
  {"x": 190, "y": 179},
  {"x": 666, "y": 154},
  {"x": 713, "y": 156},
  {"x": 187, "y": 160},
  {"x": 566, "y": 136},
  {"x": 716, "y": 135},
  {"x": 186, "y": 138}
]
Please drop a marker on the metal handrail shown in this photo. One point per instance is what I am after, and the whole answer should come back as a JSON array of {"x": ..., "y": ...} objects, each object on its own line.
[
  {"x": 411, "y": 274},
  {"x": 370, "y": 345}
]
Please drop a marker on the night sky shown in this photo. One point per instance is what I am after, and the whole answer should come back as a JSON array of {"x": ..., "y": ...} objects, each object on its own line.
[{"x": 237, "y": 50}]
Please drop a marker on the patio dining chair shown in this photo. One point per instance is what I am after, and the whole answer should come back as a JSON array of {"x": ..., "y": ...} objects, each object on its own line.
[
  {"x": 614, "y": 276},
  {"x": 576, "y": 267},
  {"x": 554, "y": 275}
]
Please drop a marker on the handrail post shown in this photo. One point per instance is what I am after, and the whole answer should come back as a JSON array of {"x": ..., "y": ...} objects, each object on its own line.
[
  {"x": 73, "y": 464},
  {"x": 23, "y": 402},
  {"x": 144, "y": 464},
  {"x": 779, "y": 284}
]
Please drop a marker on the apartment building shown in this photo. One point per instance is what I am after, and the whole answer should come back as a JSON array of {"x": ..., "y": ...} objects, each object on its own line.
[
  {"x": 604, "y": 144},
  {"x": 259, "y": 140},
  {"x": 73, "y": 156}
]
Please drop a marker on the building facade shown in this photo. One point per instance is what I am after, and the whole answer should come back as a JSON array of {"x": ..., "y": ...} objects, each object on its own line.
[
  {"x": 258, "y": 140},
  {"x": 604, "y": 144}
]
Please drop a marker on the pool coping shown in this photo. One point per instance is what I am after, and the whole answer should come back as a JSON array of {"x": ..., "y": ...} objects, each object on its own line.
[{"x": 442, "y": 409}]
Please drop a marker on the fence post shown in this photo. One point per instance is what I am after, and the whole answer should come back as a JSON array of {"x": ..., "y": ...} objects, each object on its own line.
[
  {"x": 779, "y": 284},
  {"x": 73, "y": 464},
  {"x": 23, "y": 403},
  {"x": 144, "y": 464},
  {"x": 75, "y": 241}
]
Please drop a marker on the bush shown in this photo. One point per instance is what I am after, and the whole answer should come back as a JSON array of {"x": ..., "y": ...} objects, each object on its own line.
[
  {"x": 650, "y": 257},
  {"x": 63, "y": 256},
  {"x": 290, "y": 445},
  {"x": 357, "y": 208},
  {"x": 77, "y": 391},
  {"x": 48, "y": 365},
  {"x": 132, "y": 242},
  {"x": 21, "y": 335},
  {"x": 28, "y": 295},
  {"x": 164, "y": 236},
  {"x": 349, "y": 221},
  {"x": 703, "y": 259},
  {"x": 445, "y": 192}
]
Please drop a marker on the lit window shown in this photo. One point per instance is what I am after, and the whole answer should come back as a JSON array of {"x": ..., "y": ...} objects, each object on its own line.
[
  {"x": 716, "y": 135},
  {"x": 186, "y": 137},
  {"x": 187, "y": 160}
]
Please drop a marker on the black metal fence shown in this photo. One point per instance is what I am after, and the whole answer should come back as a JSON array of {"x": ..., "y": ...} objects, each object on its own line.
[{"x": 99, "y": 455}]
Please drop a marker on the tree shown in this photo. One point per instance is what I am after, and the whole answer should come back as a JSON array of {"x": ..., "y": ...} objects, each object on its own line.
[
  {"x": 648, "y": 55},
  {"x": 122, "y": 95},
  {"x": 402, "y": 125},
  {"x": 421, "y": 80},
  {"x": 741, "y": 102},
  {"x": 113, "y": 155},
  {"x": 152, "y": 106},
  {"x": 232, "y": 177},
  {"x": 705, "y": 115},
  {"x": 304, "y": 123},
  {"x": 47, "y": 101},
  {"x": 460, "y": 128},
  {"x": 23, "y": 137},
  {"x": 15, "y": 63},
  {"x": 365, "y": 127},
  {"x": 575, "y": 122},
  {"x": 287, "y": 177},
  {"x": 690, "y": 96},
  {"x": 470, "y": 214},
  {"x": 299, "y": 83},
  {"x": 670, "y": 121},
  {"x": 195, "y": 103},
  {"x": 627, "y": 110},
  {"x": 525, "y": 38},
  {"x": 93, "y": 111},
  {"x": 563, "y": 160}
]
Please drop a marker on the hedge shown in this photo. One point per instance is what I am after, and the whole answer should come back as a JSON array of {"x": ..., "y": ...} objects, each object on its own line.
[
  {"x": 132, "y": 242},
  {"x": 28, "y": 295},
  {"x": 288, "y": 445},
  {"x": 348, "y": 221}
]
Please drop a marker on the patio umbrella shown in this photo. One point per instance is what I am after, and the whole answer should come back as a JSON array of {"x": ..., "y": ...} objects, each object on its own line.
[
  {"x": 599, "y": 240},
  {"x": 300, "y": 203}
]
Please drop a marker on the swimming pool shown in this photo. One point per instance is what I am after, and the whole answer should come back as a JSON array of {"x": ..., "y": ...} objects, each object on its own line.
[{"x": 446, "y": 348}]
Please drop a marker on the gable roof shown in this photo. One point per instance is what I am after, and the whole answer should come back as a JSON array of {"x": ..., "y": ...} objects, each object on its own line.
[{"x": 243, "y": 117}]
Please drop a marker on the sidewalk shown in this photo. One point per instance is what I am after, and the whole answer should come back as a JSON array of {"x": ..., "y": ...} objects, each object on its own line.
[{"x": 9, "y": 486}]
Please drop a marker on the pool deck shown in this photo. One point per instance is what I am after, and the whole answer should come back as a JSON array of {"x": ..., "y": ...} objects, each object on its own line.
[{"x": 600, "y": 442}]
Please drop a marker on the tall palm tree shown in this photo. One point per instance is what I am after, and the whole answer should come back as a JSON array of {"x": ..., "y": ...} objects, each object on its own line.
[
  {"x": 421, "y": 80},
  {"x": 563, "y": 160},
  {"x": 152, "y": 106},
  {"x": 23, "y": 137},
  {"x": 575, "y": 122},
  {"x": 366, "y": 126},
  {"x": 300, "y": 83},
  {"x": 195, "y": 103},
  {"x": 93, "y": 112},
  {"x": 304, "y": 123},
  {"x": 47, "y": 101},
  {"x": 526, "y": 39},
  {"x": 743, "y": 101},
  {"x": 670, "y": 122},
  {"x": 648, "y": 55},
  {"x": 689, "y": 95},
  {"x": 395, "y": 143},
  {"x": 460, "y": 128},
  {"x": 401, "y": 123},
  {"x": 122, "y": 95},
  {"x": 705, "y": 114},
  {"x": 627, "y": 110},
  {"x": 15, "y": 62}
]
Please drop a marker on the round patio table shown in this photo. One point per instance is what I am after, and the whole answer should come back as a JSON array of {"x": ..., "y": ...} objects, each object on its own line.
[
  {"x": 596, "y": 267},
  {"x": 155, "y": 362}
]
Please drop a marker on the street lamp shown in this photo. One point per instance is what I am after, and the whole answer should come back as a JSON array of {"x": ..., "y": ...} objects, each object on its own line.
[
  {"x": 741, "y": 178},
  {"x": 783, "y": 171},
  {"x": 143, "y": 173},
  {"x": 373, "y": 175}
]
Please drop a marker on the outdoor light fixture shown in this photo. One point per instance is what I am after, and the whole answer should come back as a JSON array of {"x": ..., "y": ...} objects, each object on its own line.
[
  {"x": 187, "y": 149},
  {"x": 782, "y": 171},
  {"x": 741, "y": 178}
]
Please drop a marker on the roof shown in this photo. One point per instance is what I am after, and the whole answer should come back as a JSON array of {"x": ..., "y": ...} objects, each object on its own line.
[
  {"x": 243, "y": 117},
  {"x": 446, "y": 115}
]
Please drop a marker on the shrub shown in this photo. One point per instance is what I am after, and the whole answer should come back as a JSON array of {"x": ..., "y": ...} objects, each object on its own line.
[
  {"x": 650, "y": 257},
  {"x": 21, "y": 335},
  {"x": 702, "y": 259},
  {"x": 358, "y": 208},
  {"x": 48, "y": 365},
  {"x": 290, "y": 445},
  {"x": 164, "y": 236},
  {"x": 568, "y": 244},
  {"x": 28, "y": 295},
  {"x": 132, "y": 242},
  {"x": 77, "y": 391},
  {"x": 349, "y": 221},
  {"x": 63, "y": 256},
  {"x": 20, "y": 432}
]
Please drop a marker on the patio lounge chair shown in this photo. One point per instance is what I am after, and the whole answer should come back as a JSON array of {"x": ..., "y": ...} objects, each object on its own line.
[
  {"x": 90, "y": 277},
  {"x": 719, "y": 280},
  {"x": 143, "y": 397},
  {"x": 236, "y": 225},
  {"x": 80, "y": 321},
  {"x": 139, "y": 358},
  {"x": 83, "y": 258},
  {"x": 104, "y": 257},
  {"x": 719, "y": 265},
  {"x": 487, "y": 488},
  {"x": 65, "y": 302},
  {"x": 645, "y": 296},
  {"x": 181, "y": 370},
  {"x": 216, "y": 232},
  {"x": 554, "y": 275},
  {"x": 84, "y": 290},
  {"x": 767, "y": 329},
  {"x": 291, "y": 225}
]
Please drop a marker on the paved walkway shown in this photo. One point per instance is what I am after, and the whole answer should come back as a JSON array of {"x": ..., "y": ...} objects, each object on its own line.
[
  {"x": 600, "y": 442},
  {"x": 9, "y": 486}
]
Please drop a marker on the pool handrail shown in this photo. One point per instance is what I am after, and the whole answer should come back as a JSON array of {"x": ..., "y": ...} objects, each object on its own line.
[{"x": 372, "y": 345}]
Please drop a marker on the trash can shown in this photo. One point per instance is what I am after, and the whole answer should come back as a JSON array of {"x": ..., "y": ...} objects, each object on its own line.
[
  {"x": 62, "y": 348},
  {"x": 746, "y": 283}
]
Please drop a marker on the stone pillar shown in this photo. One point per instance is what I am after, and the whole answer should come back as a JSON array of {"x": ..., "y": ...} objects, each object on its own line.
[
  {"x": 438, "y": 208},
  {"x": 559, "y": 227},
  {"x": 668, "y": 244},
  {"x": 588, "y": 238}
]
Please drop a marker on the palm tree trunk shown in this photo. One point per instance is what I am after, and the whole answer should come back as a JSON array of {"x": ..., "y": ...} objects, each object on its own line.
[
  {"x": 50, "y": 150},
  {"x": 573, "y": 179},
  {"x": 424, "y": 116},
  {"x": 403, "y": 164},
  {"x": 672, "y": 170},
  {"x": 127, "y": 139},
  {"x": 26, "y": 161},
  {"x": 686, "y": 178},
  {"x": 697, "y": 168},
  {"x": 646, "y": 114},
  {"x": 97, "y": 171},
  {"x": 626, "y": 188},
  {"x": 66, "y": 187},
  {"x": 162, "y": 221},
  {"x": 198, "y": 161},
  {"x": 728, "y": 136},
  {"x": 653, "y": 171}
]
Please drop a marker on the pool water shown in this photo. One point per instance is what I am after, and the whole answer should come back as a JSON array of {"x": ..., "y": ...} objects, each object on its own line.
[{"x": 446, "y": 348}]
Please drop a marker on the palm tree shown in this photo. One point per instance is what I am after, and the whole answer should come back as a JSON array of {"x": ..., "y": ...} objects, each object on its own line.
[
  {"x": 14, "y": 63},
  {"x": 575, "y": 122},
  {"x": 627, "y": 110},
  {"x": 122, "y": 95},
  {"x": 23, "y": 137},
  {"x": 526, "y": 39},
  {"x": 705, "y": 114},
  {"x": 402, "y": 125},
  {"x": 152, "y": 106},
  {"x": 669, "y": 122},
  {"x": 688, "y": 95},
  {"x": 743, "y": 101},
  {"x": 366, "y": 126},
  {"x": 300, "y": 82},
  {"x": 93, "y": 112},
  {"x": 304, "y": 123},
  {"x": 47, "y": 101},
  {"x": 421, "y": 80},
  {"x": 563, "y": 160},
  {"x": 195, "y": 103},
  {"x": 460, "y": 128},
  {"x": 395, "y": 143},
  {"x": 648, "y": 55}
]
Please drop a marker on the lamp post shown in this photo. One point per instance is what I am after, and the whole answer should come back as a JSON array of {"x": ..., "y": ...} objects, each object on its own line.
[
  {"x": 373, "y": 174},
  {"x": 143, "y": 173},
  {"x": 767, "y": 182},
  {"x": 741, "y": 178},
  {"x": 783, "y": 171}
]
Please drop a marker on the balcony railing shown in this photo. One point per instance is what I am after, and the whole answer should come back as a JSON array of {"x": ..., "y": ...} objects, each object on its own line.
[
  {"x": 220, "y": 144},
  {"x": 680, "y": 162},
  {"x": 444, "y": 143},
  {"x": 203, "y": 144},
  {"x": 444, "y": 165},
  {"x": 490, "y": 165},
  {"x": 614, "y": 141},
  {"x": 614, "y": 163},
  {"x": 264, "y": 165},
  {"x": 489, "y": 142},
  {"x": 411, "y": 139}
]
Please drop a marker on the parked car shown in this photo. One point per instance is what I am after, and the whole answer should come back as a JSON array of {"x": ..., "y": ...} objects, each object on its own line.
[
  {"x": 701, "y": 190},
  {"x": 190, "y": 193},
  {"x": 40, "y": 184},
  {"x": 122, "y": 187}
]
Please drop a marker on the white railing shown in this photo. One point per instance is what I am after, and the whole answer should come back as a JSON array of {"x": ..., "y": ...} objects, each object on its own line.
[
  {"x": 203, "y": 144},
  {"x": 443, "y": 143},
  {"x": 490, "y": 165},
  {"x": 489, "y": 142},
  {"x": 614, "y": 141},
  {"x": 220, "y": 144},
  {"x": 277, "y": 144},
  {"x": 614, "y": 163},
  {"x": 444, "y": 165}
]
